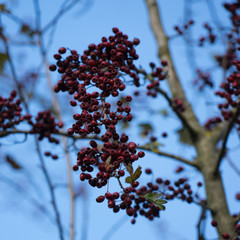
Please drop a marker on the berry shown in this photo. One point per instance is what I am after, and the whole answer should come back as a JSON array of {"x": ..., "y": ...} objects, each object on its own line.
[
  {"x": 148, "y": 171},
  {"x": 225, "y": 236},
  {"x": 214, "y": 223},
  {"x": 75, "y": 167},
  {"x": 62, "y": 50},
  {"x": 100, "y": 199}
]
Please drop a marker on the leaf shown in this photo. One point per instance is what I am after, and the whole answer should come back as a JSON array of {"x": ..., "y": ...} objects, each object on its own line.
[
  {"x": 99, "y": 147},
  {"x": 3, "y": 8},
  {"x": 154, "y": 198},
  {"x": 13, "y": 163},
  {"x": 128, "y": 180},
  {"x": 134, "y": 176},
  {"x": 137, "y": 173},
  {"x": 108, "y": 161},
  {"x": 125, "y": 125},
  {"x": 164, "y": 112},
  {"x": 153, "y": 146},
  {"x": 157, "y": 203},
  {"x": 25, "y": 29},
  {"x": 146, "y": 126},
  {"x": 3, "y": 59},
  {"x": 129, "y": 168},
  {"x": 184, "y": 136},
  {"x": 161, "y": 201}
]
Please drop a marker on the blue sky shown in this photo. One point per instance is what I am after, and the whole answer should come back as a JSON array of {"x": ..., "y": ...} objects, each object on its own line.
[{"x": 81, "y": 26}]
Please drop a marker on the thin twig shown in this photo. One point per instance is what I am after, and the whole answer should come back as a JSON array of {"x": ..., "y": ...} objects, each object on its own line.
[
  {"x": 20, "y": 190},
  {"x": 225, "y": 138},
  {"x": 12, "y": 67},
  {"x": 169, "y": 155},
  {"x": 170, "y": 102},
  {"x": 201, "y": 221},
  {"x": 114, "y": 228},
  {"x": 51, "y": 189},
  {"x": 234, "y": 167},
  {"x": 59, "y": 14},
  {"x": 57, "y": 108}
]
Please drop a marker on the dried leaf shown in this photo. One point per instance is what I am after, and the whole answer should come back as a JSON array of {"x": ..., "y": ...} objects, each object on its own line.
[{"x": 13, "y": 163}]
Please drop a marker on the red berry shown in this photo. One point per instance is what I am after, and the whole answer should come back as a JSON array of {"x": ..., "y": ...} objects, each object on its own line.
[
  {"x": 148, "y": 171},
  {"x": 141, "y": 154},
  {"x": 121, "y": 173},
  {"x": 52, "y": 67},
  {"x": 62, "y": 50},
  {"x": 214, "y": 223},
  {"x": 75, "y": 167},
  {"x": 238, "y": 196},
  {"x": 130, "y": 211},
  {"x": 164, "y": 63},
  {"x": 225, "y": 236},
  {"x": 100, "y": 199},
  {"x": 136, "y": 41}
]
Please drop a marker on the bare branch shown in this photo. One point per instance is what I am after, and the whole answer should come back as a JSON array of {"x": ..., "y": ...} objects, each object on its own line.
[
  {"x": 164, "y": 54},
  {"x": 201, "y": 221},
  {"x": 51, "y": 189},
  {"x": 169, "y": 155},
  {"x": 65, "y": 8},
  {"x": 170, "y": 102},
  {"x": 57, "y": 106},
  {"x": 12, "y": 67},
  {"x": 225, "y": 138},
  {"x": 234, "y": 167}
]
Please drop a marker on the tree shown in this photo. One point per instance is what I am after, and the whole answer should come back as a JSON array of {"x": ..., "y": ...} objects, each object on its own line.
[{"x": 106, "y": 81}]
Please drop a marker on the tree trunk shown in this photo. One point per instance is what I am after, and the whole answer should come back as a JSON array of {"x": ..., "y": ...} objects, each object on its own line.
[{"x": 216, "y": 198}]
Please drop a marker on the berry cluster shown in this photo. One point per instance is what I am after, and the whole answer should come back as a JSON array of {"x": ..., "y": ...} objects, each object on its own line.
[
  {"x": 211, "y": 37},
  {"x": 147, "y": 200},
  {"x": 10, "y": 112},
  {"x": 212, "y": 122},
  {"x": 158, "y": 75},
  {"x": 230, "y": 92},
  {"x": 45, "y": 125},
  {"x": 233, "y": 8},
  {"x": 203, "y": 79},
  {"x": 178, "y": 104},
  {"x": 181, "y": 30},
  {"x": 49, "y": 154},
  {"x": 226, "y": 60}
]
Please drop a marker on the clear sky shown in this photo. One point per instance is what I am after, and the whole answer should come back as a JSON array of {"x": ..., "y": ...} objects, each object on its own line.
[{"x": 85, "y": 24}]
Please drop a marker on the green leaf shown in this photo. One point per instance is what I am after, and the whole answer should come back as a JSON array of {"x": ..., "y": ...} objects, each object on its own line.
[
  {"x": 153, "y": 146},
  {"x": 137, "y": 173},
  {"x": 161, "y": 201},
  {"x": 157, "y": 203},
  {"x": 152, "y": 196},
  {"x": 133, "y": 176},
  {"x": 128, "y": 180}
]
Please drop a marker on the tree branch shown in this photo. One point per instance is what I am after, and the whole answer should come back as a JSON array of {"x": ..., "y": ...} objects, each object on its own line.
[
  {"x": 164, "y": 54},
  {"x": 170, "y": 102},
  {"x": 51, "y": 190},
  {"x": 225, "y": 138},
  {"x": 169, "y": 155}
]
